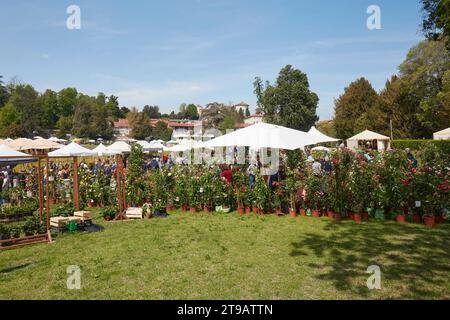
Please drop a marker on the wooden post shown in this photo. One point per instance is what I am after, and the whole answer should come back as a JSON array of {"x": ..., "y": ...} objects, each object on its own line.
[
  {"x": 119, "y": 189},
  {"x": 76, "y": 196},
  {"x": 39, "y": 181},
  {"x": 47, "y": 205},
  {"x": 124, "y": 186}
]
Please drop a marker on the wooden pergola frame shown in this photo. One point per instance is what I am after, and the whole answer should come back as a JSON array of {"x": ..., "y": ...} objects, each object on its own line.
[{"x": 39, "y": 238}]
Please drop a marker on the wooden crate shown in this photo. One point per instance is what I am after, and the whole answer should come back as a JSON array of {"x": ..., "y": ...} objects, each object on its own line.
[
  {"x": 134, "y": 213},
  {"x": 84, "y": 215},
  {"x": 58, "y": 222}
]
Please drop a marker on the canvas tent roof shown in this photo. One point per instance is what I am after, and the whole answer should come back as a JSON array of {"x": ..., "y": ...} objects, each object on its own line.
[
  {"x": 101, "y": 149},
  {"x": 118, "y": 147},
  {"x": 443, "y": 134},
  {"x": 265, "y": 135},
  {"x": 322, "y": 136},
  {"x": 9, "y": 155},
  {"x": 72, "y": 150},
  {"x": 369, "y": 135}
]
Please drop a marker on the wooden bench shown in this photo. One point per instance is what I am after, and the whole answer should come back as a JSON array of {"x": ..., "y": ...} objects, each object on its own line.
[{"x": 134, "y": 213}]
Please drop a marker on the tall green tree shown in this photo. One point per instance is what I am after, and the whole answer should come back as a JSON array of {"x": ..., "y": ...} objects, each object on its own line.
[
  {"x": 191, "y": 112},
  {"x": 25, "y": 99},
  {"x": 436, "y": 21},
  {"x": 82, "y": 118},
  {"x": 289, "y": 102},
  {"x": 4, "y": 96},
  {"x": 351, "y": 108},
  {"x": 10, "y": 125},
  {"x": 247, "y": 112},
  {"x": 152, "y": 112},
  {"x": 140, "y": 125},
  {"x": 162, "y": 131},
  {"x": 49, "y": 102},
  {"x": 67, "y": 100}
]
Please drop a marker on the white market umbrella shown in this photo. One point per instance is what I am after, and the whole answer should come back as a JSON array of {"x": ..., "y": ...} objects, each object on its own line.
[
  {"x": 186, "y": 145},
  {"x": 118, "y": 147},
  {"x": 265, "y": 135},
  {"x": 321, "y": 136},
  {"x": 9, "y": 155},
  {"x": 320, "y": 148},
  {"x": 72, "y": 150},
  {"x": 101, "y": 150}
]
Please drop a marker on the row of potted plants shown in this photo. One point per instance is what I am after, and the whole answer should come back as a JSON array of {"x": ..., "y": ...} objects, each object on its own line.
[{"x": 17, "y": 212}]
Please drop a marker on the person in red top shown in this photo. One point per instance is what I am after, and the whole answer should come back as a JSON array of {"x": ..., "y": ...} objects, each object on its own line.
[
  {"x": 227, "y": 174},
  {"x": 165, "y": 158}
]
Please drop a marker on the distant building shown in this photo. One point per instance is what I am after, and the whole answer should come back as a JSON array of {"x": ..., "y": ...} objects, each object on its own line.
[
  {"x": 241, "y": 106},
  {"x": 121, "y": 128},
  {"x": 256, "y": 118}
]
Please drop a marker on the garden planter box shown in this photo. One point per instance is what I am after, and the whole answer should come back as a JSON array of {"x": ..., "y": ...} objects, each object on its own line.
[
  {"x": 428, "y": 220},
  {"x": 438, "y": 219},
  {"x": 401, "y": 218}
]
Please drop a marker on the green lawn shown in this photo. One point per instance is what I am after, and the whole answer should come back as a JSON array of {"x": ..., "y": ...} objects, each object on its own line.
[{"x": 230, "y": 257}]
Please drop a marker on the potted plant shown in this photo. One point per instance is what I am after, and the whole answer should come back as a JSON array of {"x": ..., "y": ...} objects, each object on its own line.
[
  {"x": 109, "y": 212},
  {"x": 238, "y": 186},
  {"x": 262, "y": 195},
  {"x": 291, "y": 186}
]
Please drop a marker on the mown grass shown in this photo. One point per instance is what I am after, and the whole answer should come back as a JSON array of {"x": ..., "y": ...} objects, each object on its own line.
[{"x": 224, "y": 256}]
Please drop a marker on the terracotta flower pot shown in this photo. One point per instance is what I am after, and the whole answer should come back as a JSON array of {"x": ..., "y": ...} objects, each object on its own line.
[
  {"x": 183, "y": 208},
  {"x": 248, "y": 210},
  {"x": 192, "y": 209},
  {"x": 438, "y": 219},
  {"x": 428, "y": 220},
  {"x": 303, "y": 212},
  {"x": 330, "y": 214},
  {"x": 316, "y": 214},
  {"x": 337, "y": 216},
  {"x": 278, "y": 212},
  {"x": 107, "y": 218},
  {"x": 365, "y": 216},
  {"x": 401, "y": 218},
  {"x": 292, "y": 213},
  {"x": 351, "y": 216},
  {"x": 255, "y": 210},
  {"x": 357, "y": 217},
  {"x": 206, "y": 209},
  {"x": 240, "y": 211},
  {"x": 417, "y": 218}
]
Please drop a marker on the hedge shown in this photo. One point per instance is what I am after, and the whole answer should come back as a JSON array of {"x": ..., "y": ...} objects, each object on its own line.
[{"x": 416, "y": 145}]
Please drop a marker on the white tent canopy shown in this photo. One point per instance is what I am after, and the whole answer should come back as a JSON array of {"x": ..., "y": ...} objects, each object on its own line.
[
  {"x": 321, "y": 149},
  {"x": 186, "y": 145},
  {"x": 321, "y": 136},
  {"x": 72, "y": 150},
  {"x": 367, "y": 135},
  {"x": 101, "y": 150},
  {"x": 442, "y": 135},
  {"x": 265, "y": 135},
  {"x": 118, "y": 147},
  {"x": 8, "y": 155}
]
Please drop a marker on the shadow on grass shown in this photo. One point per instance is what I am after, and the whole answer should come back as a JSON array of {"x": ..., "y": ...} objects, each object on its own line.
[
  {"x": 414, "y": 259},
  {"x": 12, "y": 269}
]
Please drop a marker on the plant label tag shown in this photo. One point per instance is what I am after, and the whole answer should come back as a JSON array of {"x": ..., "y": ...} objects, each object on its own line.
[{"x": 418, "y": 204}]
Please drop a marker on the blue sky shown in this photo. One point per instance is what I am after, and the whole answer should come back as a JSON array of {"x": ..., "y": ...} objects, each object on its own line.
[{"x": 173, "y": 51}]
